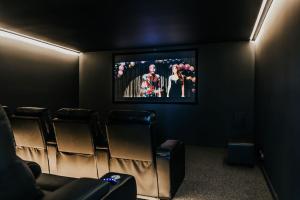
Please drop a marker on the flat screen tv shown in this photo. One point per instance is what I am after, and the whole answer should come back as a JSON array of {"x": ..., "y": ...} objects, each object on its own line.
[{"x": 155, "y": 77}]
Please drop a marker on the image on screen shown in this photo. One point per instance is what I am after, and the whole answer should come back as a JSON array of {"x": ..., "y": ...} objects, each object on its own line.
[{"x": 162, "y": 77}]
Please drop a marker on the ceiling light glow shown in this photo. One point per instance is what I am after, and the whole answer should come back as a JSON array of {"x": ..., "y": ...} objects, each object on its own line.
[
  {"x": 265, "y": 6},
  {"x": 37, "y": 42}
]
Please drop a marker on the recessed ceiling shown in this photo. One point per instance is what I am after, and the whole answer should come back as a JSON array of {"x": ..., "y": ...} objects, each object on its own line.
[{"x": 92, "y": 25}]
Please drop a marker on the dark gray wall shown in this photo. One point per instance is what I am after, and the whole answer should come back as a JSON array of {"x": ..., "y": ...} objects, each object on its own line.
[
  {"x": 278, "y": 97},
  {"x": 35, "y": 76},
  {"x": 226, "y": 94}
]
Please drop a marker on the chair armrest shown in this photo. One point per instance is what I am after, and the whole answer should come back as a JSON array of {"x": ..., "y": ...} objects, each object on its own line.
[
  {"x": 52, "y": 157},
  {"x": 102, "y": 159},
  {"x": 95, "y": 189},
  {"x": 80, "y": 189},
  {"x": 34, "y": 167},
  {"x": 51, "y": 182},
  {"x": 125, "y": 188},
  {"x": 170, "y": 162}
]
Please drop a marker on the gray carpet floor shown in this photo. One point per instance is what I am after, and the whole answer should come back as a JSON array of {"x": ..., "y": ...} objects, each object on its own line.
[{"x": 209, "y": 178}]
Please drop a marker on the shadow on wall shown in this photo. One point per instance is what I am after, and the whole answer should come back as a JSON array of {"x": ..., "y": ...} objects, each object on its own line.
[{"x": 35, "y": 76}]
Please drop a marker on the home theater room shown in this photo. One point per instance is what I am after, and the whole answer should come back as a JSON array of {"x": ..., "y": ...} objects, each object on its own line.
[{"x": 149, "y": 100}]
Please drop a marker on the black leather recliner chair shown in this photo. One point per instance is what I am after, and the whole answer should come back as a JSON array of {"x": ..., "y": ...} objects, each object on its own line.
[
  {"x": 81, "y": 147},
  {"x": 18, "y": 182},
  {"x": 33, "y": 130},
  {"x": 158, "y": 169}
]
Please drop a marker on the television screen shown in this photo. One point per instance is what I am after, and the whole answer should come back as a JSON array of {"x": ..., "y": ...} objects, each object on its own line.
[{"x": 155, "y": 77}]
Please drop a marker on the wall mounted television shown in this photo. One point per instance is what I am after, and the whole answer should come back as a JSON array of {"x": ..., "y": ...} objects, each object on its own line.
[{"x": 155, "y": 77}]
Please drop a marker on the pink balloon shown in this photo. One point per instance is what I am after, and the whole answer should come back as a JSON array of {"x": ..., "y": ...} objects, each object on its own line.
[
  {"x": 193, "y": 90},
  {"x": 121, "y": 67},
  {"x": 187, "y": 66},
  {"x": 120, "y": 72},
  {"x": 144, "y": 84},
  {"x": 192, "y": 68},
  {"x": 180, "y": 66}
]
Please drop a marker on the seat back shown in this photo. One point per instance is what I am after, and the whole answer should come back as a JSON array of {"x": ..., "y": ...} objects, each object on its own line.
[
  {"x": 126, "y": 138},
  {"x": 75, "y": 142},
  {"x": 17, "y": 182},
  {"x": 31, "y": 130},
  {"x": 131, "y": 147}
]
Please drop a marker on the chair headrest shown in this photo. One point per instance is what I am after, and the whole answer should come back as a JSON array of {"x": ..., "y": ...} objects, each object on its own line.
[
  {"x": 75, "y": 113},
  {"x": 132, "y": 116},
  {"x": 5, "y": 108},
  {"x": 31, "y": 111}
]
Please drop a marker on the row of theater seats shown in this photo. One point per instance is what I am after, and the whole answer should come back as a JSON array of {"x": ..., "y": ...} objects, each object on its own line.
[
  {"x": 73, "y": 143},
  {"x": 18, "y": 178}
]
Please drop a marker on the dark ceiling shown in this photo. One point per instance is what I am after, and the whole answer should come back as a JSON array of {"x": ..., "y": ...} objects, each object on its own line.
[{"x": 90, "y": 25}]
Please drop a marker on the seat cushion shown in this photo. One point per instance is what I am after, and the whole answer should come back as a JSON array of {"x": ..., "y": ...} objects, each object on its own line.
[{"x": 49, "y": 182}]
